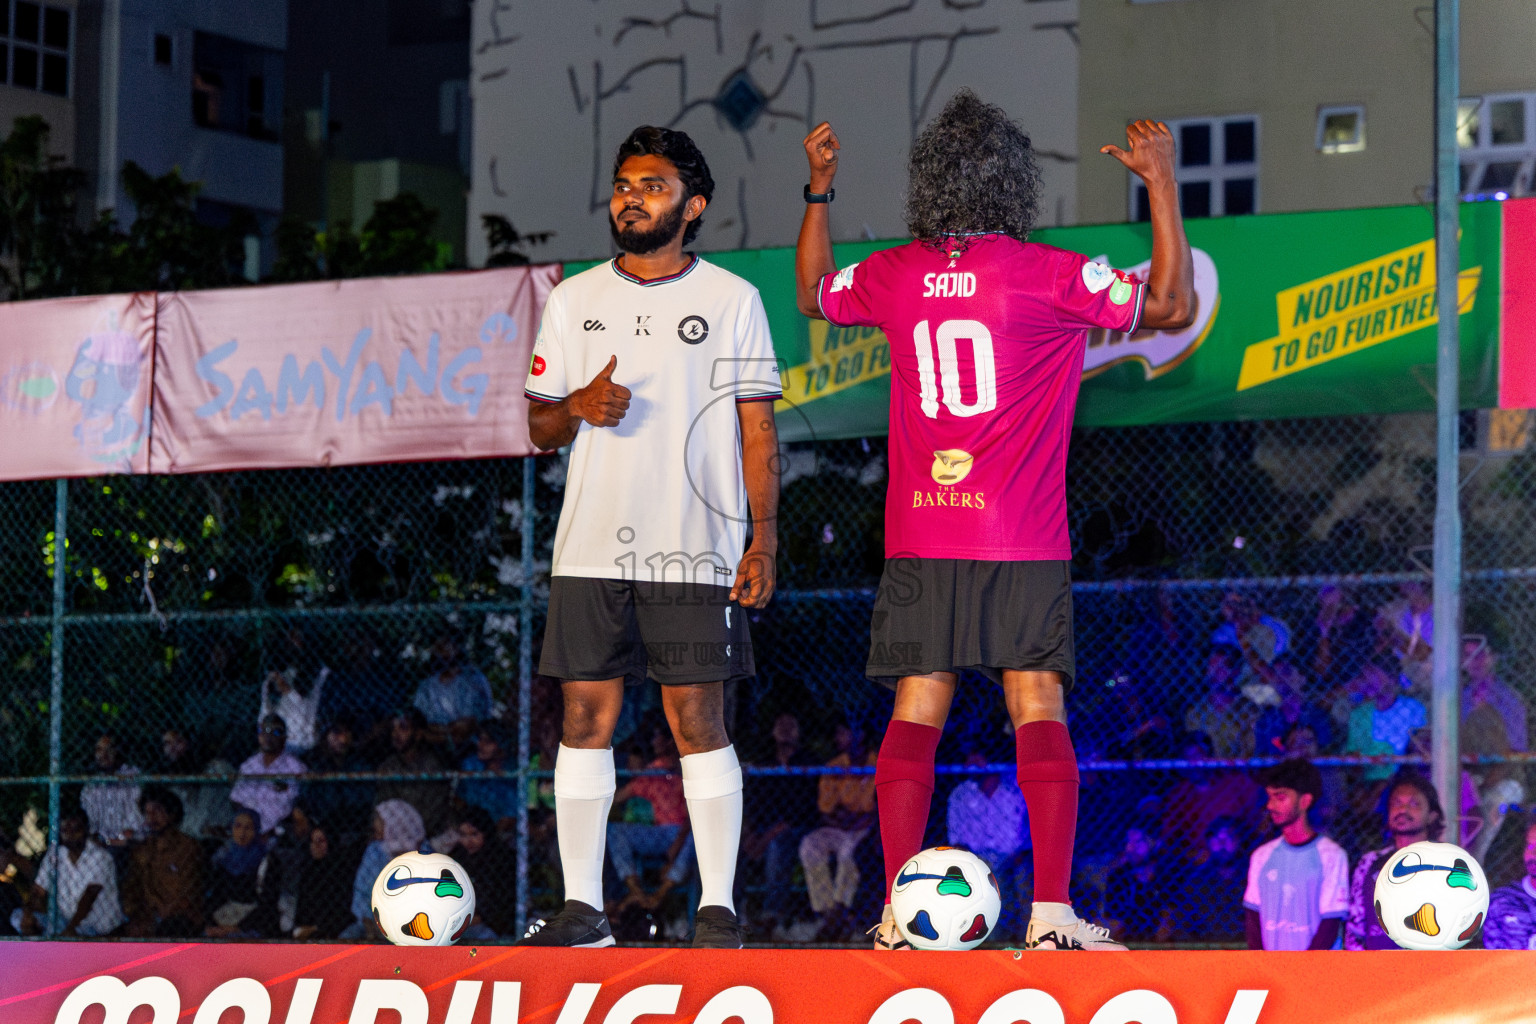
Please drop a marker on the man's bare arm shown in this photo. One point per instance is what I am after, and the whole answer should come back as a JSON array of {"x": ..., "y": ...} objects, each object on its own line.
[
  {"x": 813, "y": 249},
  {"x": 601, "y": 403},
  {"x": 1170, "y": 299},
  {"x": 755, "y": 575}
]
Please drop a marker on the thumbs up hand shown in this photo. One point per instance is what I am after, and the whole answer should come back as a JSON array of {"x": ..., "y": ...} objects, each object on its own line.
[{"x": 601, "y": 403}]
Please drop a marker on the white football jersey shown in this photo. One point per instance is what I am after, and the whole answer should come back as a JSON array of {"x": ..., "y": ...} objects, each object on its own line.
[{"x": 660, "y": 496}]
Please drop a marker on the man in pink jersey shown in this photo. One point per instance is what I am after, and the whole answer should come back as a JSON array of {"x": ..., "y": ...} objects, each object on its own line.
[{"x": 987, "y": 336}]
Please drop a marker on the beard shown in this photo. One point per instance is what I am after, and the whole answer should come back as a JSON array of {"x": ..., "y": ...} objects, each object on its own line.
[{"x": 639, "y": 239}]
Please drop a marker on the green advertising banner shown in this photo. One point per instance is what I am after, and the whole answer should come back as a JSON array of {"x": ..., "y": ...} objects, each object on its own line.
[{"x": 1306, "y": 314}]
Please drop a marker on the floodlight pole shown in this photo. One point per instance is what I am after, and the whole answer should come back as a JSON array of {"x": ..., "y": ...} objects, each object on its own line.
[{"x": 1445, "y": 710}]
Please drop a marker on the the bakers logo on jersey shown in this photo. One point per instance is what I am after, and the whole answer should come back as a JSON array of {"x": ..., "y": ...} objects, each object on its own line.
[{"x": 950, "y": 467}]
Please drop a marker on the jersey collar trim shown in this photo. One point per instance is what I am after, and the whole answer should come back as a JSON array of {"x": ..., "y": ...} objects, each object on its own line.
[{"x": 693, "y": 261}]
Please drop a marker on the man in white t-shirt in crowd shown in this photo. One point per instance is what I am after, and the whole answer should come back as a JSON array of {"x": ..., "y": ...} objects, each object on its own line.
[
  {"x": 1298, "y": 882},
  {"x": 987, "y": 816},
  {"x": 87, "y": 885},
  {"x": 658, "y": 368}
]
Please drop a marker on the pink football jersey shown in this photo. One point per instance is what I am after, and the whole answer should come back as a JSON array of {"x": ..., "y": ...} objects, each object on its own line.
[{"x": 986, "y": 358}]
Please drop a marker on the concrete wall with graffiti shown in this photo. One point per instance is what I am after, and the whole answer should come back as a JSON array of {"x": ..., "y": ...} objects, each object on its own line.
[{"x": 556, "y": 87}]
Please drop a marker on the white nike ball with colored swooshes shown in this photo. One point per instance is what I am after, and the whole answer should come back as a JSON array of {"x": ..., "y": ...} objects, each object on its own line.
[
  {"x": 945, "y": 898},
  {"x": 1431, "y": 896},
  {"x": 423, "y": 899}
]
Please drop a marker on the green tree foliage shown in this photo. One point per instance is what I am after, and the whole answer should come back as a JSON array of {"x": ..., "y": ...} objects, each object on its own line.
[
  {"x": 396, "y": 239},
  {"x": 506, "y": 242},
  {"x": 38, "y": 232}
]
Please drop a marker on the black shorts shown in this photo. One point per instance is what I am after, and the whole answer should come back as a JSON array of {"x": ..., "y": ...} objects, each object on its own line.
[
  {"x": 948, "y": 614},
  {"x": 672, "y": 632}
]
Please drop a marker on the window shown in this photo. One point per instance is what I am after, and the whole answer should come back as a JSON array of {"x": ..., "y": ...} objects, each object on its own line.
[
  {"x": 1341, "y": 129},
  {"x": 1218, "y": 168},
  {"x": 36, "y": 39},
  {"x": 236, "y": 86},
  {"x": 162, "y": 49},
  {"x": 1497, "y": 137}
]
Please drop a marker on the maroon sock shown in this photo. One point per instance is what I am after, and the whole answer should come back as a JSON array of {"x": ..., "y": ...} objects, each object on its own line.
[
  {"x": 904, "y": 792},
  {"x": 1048, "y": 779}
]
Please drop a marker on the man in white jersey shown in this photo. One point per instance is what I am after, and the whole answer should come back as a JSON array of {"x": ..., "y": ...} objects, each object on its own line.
[{"x": 659, "y": 367}]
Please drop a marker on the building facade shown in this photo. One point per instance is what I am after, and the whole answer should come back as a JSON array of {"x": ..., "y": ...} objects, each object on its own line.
[{"x": 1286, "y": 105}]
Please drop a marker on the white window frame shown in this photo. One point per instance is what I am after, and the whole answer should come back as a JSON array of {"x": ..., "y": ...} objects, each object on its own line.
[
  {"x": 1483, "y": 152},
  {"x": 1217, "y": 171},
  {"x": 1357, "y": 144}
]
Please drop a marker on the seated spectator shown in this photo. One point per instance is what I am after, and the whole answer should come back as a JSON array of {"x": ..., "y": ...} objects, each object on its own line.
[
  {"x": 1408, "y": 624},
  {"x": 667, "y": 834},
  {"x": 271, "y": 799},
  {"x": 1224, "y": 714},
  {"x": 232, "y": 881},
  {"x": 280, "y": 696},
  {"x": 162, "y": 888},
  {"x": 1200, "y": 797},
  {"x": 364, "y": 692},
  {"x": 492, "y": 869},
  {"x": 456, "y": 696},
  {"x": 321, "y": 906},
  {"x": 1512, "y": 910},
  {"x": 1346, "y": 638},
  {"x": 1485, "y": 696},
  {"x": 1298, "y": 883},
  {"x": 86, "y": 880},
  {"x": 397, "y": 829},
  {"x": 780, "y": 810},
  {"x": 1292, "y": 707},
  {"x": 1385, "y": 719},
  {"x": 112, "y": 808},
  {"x": 1211, "y": 896},
  {"x": 1259, "y": 635},
  {"x": 1135, "y": 892},
  {"x": 497, "y": 796},
  {"x": 1412, "y": 815},
  {"x": 206, "y": 810},
  {"x": 409, "y": 754},
  {"x": 346, "y": 807},
  {"x": 847, "y": 807},
  {"x": 986, "y": 815}
]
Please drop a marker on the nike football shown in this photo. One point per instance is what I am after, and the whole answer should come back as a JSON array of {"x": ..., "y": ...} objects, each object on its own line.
[
  {"x": 423, "y": 899},
  {"x": 1431, "y": 896},
  {"x": 945, "y": 898}
]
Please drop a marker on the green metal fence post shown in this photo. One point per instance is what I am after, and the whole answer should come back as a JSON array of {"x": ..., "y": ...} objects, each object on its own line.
[{"x": 56, "y": 688}]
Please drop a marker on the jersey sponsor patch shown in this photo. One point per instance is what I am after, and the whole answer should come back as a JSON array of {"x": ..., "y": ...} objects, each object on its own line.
[
  {"x": 1097, "y": 277},
  {"x": 537, "y": 369},
  {"x": 844, "y": 278},
  {"x": 1120, "y": 292},
  {"x": 693, "y": 329}
]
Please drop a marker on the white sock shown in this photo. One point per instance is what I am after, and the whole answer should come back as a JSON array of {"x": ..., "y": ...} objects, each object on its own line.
[
  {"x": 712, "y": 786},
  {"x": 584, "y": 787}
]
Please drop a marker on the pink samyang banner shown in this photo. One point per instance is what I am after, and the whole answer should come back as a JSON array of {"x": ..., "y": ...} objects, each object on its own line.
[
  {"x": 75, "y": 386},
  {"x": 340, "y": 373}
]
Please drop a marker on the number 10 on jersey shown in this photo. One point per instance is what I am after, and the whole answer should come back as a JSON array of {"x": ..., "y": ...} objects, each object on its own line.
[{"x": 948, "y": 335}]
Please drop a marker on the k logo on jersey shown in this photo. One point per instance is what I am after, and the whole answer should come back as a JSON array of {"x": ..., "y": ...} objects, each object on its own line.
[{"x": 693, "y": 329}]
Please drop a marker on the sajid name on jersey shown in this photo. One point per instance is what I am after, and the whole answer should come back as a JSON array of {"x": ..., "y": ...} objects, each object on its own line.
[{"x": 1157, "y": 351}]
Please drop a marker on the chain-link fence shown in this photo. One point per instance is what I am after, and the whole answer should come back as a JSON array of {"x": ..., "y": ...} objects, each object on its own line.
[{"x": 1243, "y": 592}]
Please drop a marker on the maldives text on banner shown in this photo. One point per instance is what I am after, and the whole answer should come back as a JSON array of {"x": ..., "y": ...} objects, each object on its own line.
[
  {"x": 336, "y": 373},
  {"x": 75, "y": 386},
  {"x": 79, "y": 983}
]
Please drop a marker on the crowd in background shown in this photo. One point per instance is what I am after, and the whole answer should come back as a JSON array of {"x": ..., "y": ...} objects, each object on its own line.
[{"x": 1162, "y": 856}]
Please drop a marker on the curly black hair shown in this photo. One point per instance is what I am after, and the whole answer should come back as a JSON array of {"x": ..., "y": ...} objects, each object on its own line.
[
  {"x": 1413, "y": 780},
  {"x": 972, "y": 171},
  {"x": 649, "y": 140}
]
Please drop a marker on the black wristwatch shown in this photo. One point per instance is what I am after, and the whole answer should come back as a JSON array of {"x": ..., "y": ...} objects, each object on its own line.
[{"x": 819, "y": 197}]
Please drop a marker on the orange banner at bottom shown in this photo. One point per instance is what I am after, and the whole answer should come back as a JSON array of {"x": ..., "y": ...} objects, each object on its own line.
[{"x": 132, "y": 983}]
